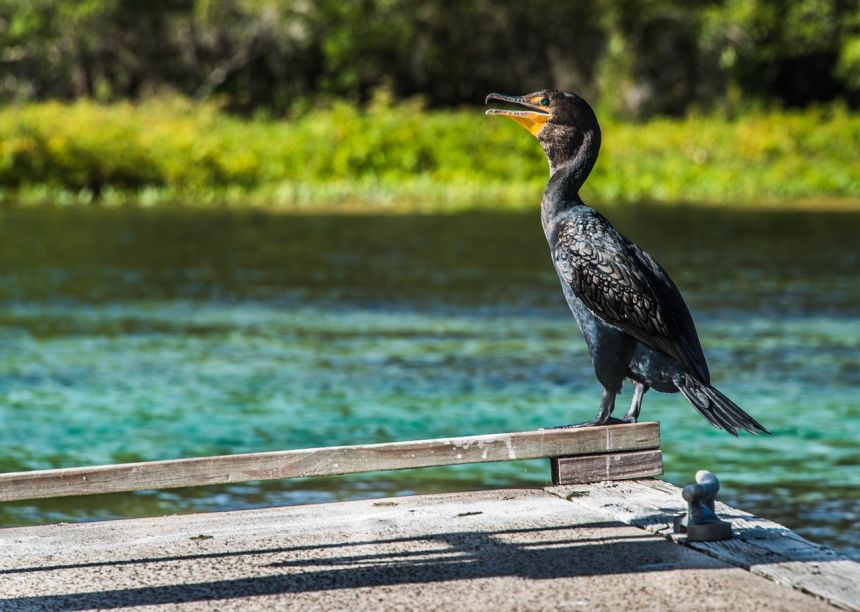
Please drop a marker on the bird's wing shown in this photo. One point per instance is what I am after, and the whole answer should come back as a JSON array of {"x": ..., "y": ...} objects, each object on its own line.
[{"x": 622, "y": 285}]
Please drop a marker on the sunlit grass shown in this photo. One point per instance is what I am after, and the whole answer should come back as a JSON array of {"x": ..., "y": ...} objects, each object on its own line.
[{"x": 402, "y": 158}]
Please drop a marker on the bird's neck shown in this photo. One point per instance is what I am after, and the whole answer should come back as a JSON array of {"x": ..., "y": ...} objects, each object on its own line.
[{"x": 570, "y": 162}]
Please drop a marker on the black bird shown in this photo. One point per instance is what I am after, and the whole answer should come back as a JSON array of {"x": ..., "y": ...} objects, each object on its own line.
[{"x": 634, "y": 320}]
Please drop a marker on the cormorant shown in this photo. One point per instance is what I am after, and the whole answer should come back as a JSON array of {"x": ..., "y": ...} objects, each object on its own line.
[{"x": 634, "y": 320}]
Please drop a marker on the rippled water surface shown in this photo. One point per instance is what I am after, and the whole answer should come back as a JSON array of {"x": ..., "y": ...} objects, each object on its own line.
[{"x": 141, "y": 335}]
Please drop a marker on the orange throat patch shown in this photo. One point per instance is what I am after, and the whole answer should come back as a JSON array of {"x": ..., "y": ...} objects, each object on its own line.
[{"x": 533, "y": 122}]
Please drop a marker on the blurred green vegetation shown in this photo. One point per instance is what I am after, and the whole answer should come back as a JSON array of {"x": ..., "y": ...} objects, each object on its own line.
[
  {"x": 276, "y": 102},
  {"x": 635, "y": 58},
  {"x": 400, "y": 156}
]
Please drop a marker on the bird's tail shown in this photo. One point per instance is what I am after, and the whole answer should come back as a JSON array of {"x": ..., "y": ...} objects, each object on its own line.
[{"x": 720, "y": 411}]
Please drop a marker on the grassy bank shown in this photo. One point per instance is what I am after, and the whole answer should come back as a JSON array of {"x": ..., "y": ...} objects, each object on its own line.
[{"x": 400, "y": 157}]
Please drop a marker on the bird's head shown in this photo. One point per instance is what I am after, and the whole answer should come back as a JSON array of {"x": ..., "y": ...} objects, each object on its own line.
[{"x": 564, "y": 123}]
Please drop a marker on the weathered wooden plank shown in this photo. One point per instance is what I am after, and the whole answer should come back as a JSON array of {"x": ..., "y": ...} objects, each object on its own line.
[
  {"x": 761, "y": 546},
  {"x": 326, "y": 461},
  {"x": 611, "y": 466}
]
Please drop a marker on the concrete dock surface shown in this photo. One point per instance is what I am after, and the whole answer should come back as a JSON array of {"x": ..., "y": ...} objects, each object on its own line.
[{"x": 500, "y": 550}]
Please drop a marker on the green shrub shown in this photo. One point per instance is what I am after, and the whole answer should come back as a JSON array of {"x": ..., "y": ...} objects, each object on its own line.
[{"x": 402, "y": 157}]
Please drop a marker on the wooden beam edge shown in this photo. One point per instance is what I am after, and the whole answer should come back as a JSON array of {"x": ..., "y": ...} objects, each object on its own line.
[{"x": 326, "y": 461}]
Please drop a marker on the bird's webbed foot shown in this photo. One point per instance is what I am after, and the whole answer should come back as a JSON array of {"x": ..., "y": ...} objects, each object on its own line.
[
  {"x": 595, "y": 422},
  {"x": 604, "y": 416}
]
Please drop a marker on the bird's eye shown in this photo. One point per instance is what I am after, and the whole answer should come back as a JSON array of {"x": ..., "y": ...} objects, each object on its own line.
[{"x": 544, "y": 102}]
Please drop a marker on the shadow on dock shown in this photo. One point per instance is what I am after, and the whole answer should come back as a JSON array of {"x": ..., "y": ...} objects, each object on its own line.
[
  {"x": 505, "y": 549},
  {"x": 457, "y": 555}
]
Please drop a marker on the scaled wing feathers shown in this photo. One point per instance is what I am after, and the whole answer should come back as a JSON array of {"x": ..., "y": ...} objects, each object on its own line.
[{"x": 623, "y": 286}]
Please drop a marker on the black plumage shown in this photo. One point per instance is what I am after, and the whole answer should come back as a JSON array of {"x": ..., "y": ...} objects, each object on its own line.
[{"x": 632, "y": 315}]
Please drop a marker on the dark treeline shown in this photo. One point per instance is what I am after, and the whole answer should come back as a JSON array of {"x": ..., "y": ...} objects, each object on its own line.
[{"x": 635, "y": 57}]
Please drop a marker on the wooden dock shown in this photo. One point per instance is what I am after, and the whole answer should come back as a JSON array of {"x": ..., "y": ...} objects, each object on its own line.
[
  {"x": 759, "y": 545},
  {"x": 604, "y": 544}
]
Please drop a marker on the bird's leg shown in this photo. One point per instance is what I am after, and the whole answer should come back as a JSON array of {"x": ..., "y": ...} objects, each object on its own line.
[
  {"x": 632, "y": 415},
  {"x": 604, "y": 417}
]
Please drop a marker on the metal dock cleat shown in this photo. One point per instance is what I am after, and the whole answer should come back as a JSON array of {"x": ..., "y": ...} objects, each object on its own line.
[{"x": 700, "y": 522}]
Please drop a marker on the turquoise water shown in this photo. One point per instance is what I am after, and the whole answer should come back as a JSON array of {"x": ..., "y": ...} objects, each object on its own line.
[{"x": 141, "y": 335}]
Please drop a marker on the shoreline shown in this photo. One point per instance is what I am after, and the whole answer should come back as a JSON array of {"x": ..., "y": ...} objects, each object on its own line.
[{"x": 387, "y": 201}]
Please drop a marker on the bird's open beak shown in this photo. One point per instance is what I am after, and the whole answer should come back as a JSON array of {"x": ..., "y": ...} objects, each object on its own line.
[{"x": 533, "y": 120}]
